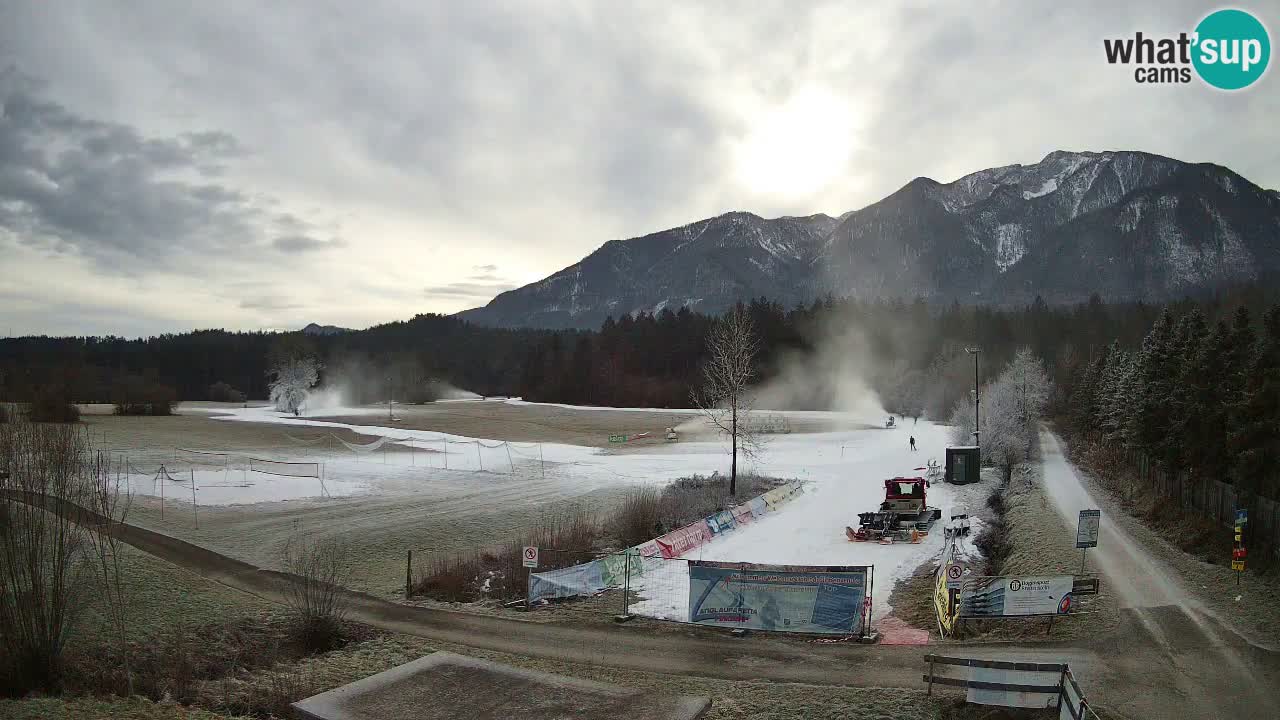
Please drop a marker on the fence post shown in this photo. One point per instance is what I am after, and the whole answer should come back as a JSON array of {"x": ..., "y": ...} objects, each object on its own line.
[
  {"x": 408, "y": 575},
  {"x": 930, "y": 690},
  {"x": 194, "y": 513},
  {"x": 626, "y": 585}
]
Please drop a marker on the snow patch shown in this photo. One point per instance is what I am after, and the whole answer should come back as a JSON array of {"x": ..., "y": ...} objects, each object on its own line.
[{"x": 1011, "y": 245}]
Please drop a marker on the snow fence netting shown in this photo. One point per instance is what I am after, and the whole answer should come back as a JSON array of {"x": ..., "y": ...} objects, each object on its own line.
[
  {"x": 284, "y": 469},
  {"x": 611, "y": 571}
]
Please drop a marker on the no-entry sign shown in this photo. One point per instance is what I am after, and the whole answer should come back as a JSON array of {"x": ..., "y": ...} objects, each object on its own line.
[
  {"x": 530, "y": 557},
  {"x": 955, "y": 572}
]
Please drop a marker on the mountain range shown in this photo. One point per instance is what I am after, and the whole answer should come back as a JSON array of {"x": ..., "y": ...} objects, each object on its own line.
[{"x": 1125, "y": 225}]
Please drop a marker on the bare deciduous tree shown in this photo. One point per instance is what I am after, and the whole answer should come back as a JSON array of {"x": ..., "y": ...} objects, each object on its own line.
[
  {"x": 725, "y": 394},
  {"x": 111, "y": 503},
  {"x": 42, "y": 554}
]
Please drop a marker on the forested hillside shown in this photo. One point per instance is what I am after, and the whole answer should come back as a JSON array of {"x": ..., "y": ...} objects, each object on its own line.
[{"x": 912, "y": 354}]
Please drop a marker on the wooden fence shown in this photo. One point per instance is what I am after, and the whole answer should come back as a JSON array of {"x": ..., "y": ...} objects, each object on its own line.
[{"x": 1213, "y": 499}]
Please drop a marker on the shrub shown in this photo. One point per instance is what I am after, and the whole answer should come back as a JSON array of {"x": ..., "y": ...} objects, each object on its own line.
[
  {"x": 566, "y": 539},
  {"x": 43, "y": 563},
  {"x": 993, "y": 541},
  {"x": 49, "y": 404},
  {"x": 222, "y": 392},
  {"x": 135, "y": 395},
  {"x": 317, "y": 572},
  {"x": 638, "y": 520}
]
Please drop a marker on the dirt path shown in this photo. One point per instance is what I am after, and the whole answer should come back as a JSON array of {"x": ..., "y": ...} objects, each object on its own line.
[
  {"x": 1164, "y": 609},
  {"x": 1134, "y": 675}
]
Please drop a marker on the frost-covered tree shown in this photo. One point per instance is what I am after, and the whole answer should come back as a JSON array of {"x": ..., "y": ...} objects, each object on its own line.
[
  {"x": 290, "y": 382},
  {"x": 961, "y": 420},
  {"x": 1031, "y": 386},
  {"x": 1006, "y": 436}
]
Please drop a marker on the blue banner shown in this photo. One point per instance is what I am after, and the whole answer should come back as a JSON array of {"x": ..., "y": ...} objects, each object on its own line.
[{"x": 786, "y": 598}]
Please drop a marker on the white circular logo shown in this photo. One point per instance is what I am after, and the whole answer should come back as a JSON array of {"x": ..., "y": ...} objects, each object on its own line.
[{"x": 1015, "y": 585}]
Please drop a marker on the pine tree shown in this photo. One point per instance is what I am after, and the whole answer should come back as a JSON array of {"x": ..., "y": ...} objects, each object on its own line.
[
  {"x": 1150, "y": 420},
  {"x": 1183, "y": 412},
  {"x": 1255, "y": 441}
]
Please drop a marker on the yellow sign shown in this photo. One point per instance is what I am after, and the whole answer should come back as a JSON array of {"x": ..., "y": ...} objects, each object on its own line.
[
  {"x": 942, "y": 604},
  {"x": 1237, "y": 565}
]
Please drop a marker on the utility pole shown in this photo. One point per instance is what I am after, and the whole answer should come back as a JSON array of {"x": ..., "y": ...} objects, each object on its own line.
[
  {"x": 389, "y": 417},
  {"x": 977, "y": 438}
]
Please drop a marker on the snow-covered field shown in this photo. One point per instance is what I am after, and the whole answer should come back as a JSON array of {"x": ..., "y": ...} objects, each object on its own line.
[
  {"x": 847, "y": 471},
  {"x": 844, "y": 472}
]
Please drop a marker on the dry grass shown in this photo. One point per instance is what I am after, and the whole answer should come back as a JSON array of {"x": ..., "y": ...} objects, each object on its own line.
[
  {"x": 575, "y": 536},
  {"x": 93, "y": 708},
  {"x": 564, "y": 539}
]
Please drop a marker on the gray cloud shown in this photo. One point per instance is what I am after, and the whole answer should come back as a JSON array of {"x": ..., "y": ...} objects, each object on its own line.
[
  {"x": 304, "y": 243},
  {"x": 468, "y": 290},
  {"x": 269, "y": 303},
  {"x": 270, "y": 141},
  {"x": 73, "y": 185}
]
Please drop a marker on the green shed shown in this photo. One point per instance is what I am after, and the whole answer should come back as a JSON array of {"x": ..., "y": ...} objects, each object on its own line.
[{"x": 964, "y": 464}]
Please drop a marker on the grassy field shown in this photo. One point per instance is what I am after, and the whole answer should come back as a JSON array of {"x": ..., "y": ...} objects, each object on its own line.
[
  {"x": 87, "y": 708},
  {"x": 431, "y": 513},
  {"x": 162, "y": 596}
]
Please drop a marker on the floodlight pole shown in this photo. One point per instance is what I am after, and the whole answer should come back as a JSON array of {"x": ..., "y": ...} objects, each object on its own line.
[
  {"x": 977, "y": 438},
  {"x": 389, "y": 417}
]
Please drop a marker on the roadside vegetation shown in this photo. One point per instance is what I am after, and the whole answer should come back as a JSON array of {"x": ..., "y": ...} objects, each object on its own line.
[{"x": 575, "y": 535}]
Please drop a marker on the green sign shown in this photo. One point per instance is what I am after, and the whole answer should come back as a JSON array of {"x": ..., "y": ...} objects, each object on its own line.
[{"x": 617, "y": 438}]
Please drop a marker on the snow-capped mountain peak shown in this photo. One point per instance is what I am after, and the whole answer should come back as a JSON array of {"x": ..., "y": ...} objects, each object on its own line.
[{"x": 1124, "y": 224}]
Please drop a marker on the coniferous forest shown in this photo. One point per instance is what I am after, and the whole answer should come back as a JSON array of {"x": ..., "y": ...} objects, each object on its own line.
[{"x": 1194, "y": 384}]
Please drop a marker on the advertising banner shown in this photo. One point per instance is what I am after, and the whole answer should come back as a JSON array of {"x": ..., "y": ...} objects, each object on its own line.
[
  {"x": 649, "y": 549},
  {"x": 721, "y": 522},
  {"x": 678, "y": 542},
  {"x": 1016, "y": 596},
  {"x": 947, "y": 610},
  {"x": 742, "y": 514},
  {"x": 758, "y": 506},
  {"x": 788, "y": 598},
  {"x": 586, "y": 579}
]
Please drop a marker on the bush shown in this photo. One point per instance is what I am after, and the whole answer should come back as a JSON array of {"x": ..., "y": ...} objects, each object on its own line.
[
  {"x": 993, "y": 541},
  {"x": 318, "y": 571},
  {"x": 692, "y": 498},
  {"x": 637, "y": 520},
  {"x": 49, "y": 404},
  {"x": 135, "y": 395},
  {"x": 566, "y": 539},
  {"x": 574, "y": 537},
  {"x": 222, "y": 392}
]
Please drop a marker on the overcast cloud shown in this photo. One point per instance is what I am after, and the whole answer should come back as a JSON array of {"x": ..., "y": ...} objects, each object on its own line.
[{"x": 264, "y": 165}]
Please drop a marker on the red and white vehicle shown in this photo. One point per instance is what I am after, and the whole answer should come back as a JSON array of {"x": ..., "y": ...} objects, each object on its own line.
[{"x": 903, "y": 516}]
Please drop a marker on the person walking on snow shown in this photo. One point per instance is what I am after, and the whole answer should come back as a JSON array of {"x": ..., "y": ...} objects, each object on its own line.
[{"x": 913, "y": 443}]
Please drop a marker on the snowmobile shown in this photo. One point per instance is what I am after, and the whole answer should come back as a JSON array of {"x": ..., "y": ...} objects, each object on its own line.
[
  {"x": 890, "y": 423},
  {"x": 903, "y": 516}
]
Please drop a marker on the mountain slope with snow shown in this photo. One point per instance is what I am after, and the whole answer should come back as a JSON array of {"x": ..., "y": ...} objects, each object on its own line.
[{"x": 1126, "y": 225}]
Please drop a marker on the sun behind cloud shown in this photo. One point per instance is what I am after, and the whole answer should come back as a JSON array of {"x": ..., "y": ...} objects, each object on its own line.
[{"x": 798, "y": 147}]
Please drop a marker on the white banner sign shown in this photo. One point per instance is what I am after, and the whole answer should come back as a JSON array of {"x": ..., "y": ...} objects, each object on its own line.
[{"x": 1016, "y": 596}]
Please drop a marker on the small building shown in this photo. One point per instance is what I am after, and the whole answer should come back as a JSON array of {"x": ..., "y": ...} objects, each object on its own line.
[{"x": 964, "y": 464}]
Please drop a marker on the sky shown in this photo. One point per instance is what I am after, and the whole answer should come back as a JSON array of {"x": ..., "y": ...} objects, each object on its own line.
[{"x": 169, "y": 166}]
